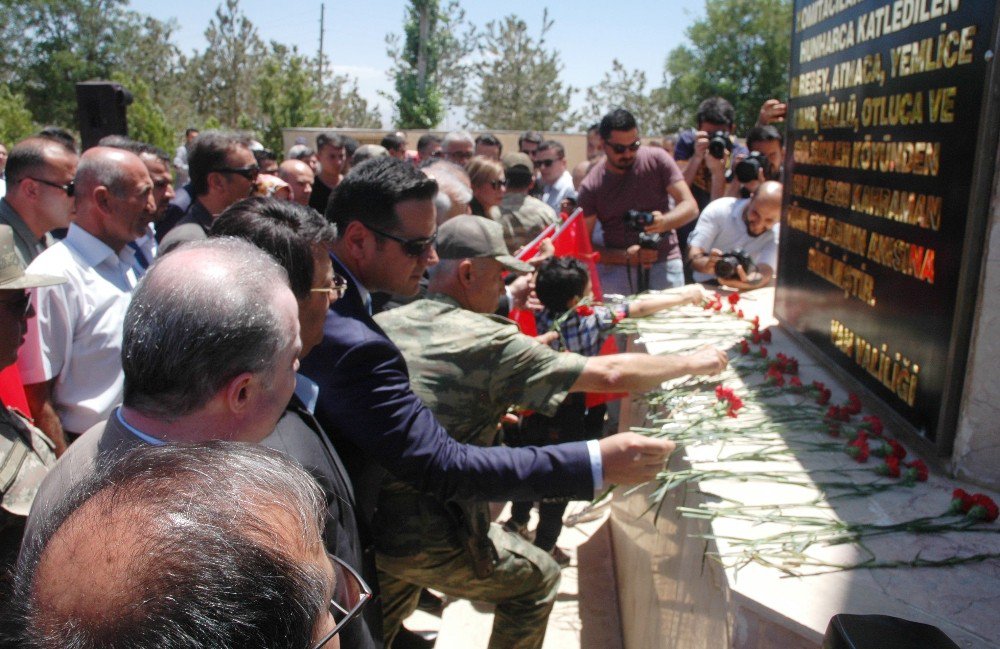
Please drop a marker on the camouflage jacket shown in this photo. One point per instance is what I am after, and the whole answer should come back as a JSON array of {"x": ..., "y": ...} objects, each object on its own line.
[
  {"x": 25, "y": 457},
  {"x": 468, "y": 368},
  {"x": 523, "y": 218}
]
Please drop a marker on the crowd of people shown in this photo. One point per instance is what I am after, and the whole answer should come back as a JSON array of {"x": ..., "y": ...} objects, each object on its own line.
[{"x": 252, "y": 402}]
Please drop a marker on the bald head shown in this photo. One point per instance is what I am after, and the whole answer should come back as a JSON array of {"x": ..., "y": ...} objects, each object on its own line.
[
  {"x": 39, "y": 172},
  {"x": 764, "y": 210},
  {"x": 180, "y": 545},
  {"x": 114, "y": 196},
  {"x": 299, "y": 177},
  {"x": 204, "y": 313},
  {"x": 103, "y": 166}
]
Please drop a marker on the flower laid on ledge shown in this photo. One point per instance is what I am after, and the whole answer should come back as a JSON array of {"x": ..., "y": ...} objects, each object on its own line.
[{"x": 975, "y": 506}]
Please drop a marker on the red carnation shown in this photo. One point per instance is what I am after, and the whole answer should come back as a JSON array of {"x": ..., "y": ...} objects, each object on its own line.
[
  {"x": 766, "y": 335},
  {"x": 717, "y": 306},
  {"x": 793, "y": 365},
  {"x": 916, "y": 471},
  {"x": 854, "y": 403},
  {"x": 744, "y": 347},
  {"x": 739, "y": 314},
  {"x": 763, "y": 352},
  {"x": 734, "y": 298},
  {"x": 897, "y": 449},
  {"x": 824, "y": 396},
  {"x": 833, "y": 429},
  {"x": 890, "y": 468},
  {"x": 755, "y": 337},
  {"x": 833, "y": 413},
  {"x": 795, "y": 384},
  {"x": 961, "y": 501},
  {"x": 584, "y": 310},
  {"x": 983, "y": 509},
  {"x": 756, "y": 321},
  {"x": 858, "y": 449},
  {"x": 872, "y": 423},
  {"x": 722, "y": 394}
]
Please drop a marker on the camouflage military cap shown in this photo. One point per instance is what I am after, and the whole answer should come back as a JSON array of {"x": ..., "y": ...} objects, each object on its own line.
[
  {"x": 12, "y": 274},
  {"x": 471, "y": 237}
]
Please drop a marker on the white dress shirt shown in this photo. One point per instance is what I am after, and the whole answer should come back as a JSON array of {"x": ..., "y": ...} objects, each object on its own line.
[{"x": 76, "y": 336}]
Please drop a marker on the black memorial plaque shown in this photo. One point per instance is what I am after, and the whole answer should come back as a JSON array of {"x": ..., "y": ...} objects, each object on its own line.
[{"x": 883, "y": 219}]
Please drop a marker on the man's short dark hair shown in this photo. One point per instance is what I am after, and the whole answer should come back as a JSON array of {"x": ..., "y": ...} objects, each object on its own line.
[
  {"x": 594, "y": 128},
  {"x": 717, "y": 111},
  {"x": 393, "y": 142},
  {"x": 139, "y": 148},
  {"x": 336, "y": 140},
  {"x": 190, "y": 130},
  {"x": 350, "y": 146},
  {"x": 27, "y": 158},
  {"x": 184, "y": 340},
  {"x": 617, "y": 120},
  {"x": 764, "y": 134},
  {"x": 529, "y": 136},
  {"x": 264, "y": 155},
  {"x": 208, "y": 153},
  {"x": 559, "y": 280},
  {"x": 60, "y": 135},
  {"x": 552, "y": 145},
  {"x": 283, "y": 229},
  {"x": 488, "y": 139},
  {"x": 426, "y": 140},
  {"x": 372, "y": 190},
  {"x": 199, "y": 555}
]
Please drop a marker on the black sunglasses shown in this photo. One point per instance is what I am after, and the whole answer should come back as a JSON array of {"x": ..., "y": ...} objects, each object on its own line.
[
  {"x": 351, "y": 594},
  {"x": 68, "y": 187},
  {"x": 250, "y": 173},
  {"x": 544, "y": 163},
  {"x": 412, "y": 247},
  {"x": 622, "y": 148}
]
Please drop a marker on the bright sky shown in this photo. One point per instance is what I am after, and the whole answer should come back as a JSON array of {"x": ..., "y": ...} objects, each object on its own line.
[{"x": 588, "y": 34}]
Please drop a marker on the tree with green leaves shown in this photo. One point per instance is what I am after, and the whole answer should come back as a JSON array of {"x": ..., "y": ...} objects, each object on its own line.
[
  {"x": 740, "y": 51},
  {"x": 519, "y": 86},
  {"x": 15, "y": 118},
  {"x": 623, "y": 88},
  {"x": 430, "y": 67}
]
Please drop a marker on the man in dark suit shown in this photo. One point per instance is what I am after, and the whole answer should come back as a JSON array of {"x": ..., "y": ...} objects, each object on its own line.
[{"x": 384, "y": 212}]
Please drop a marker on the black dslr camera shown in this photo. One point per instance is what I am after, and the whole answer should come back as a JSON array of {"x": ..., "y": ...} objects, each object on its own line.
[
  {"x": 637, "y": 222},
  {"x": 748, "y": 168},
  {"x": 725, "y": 267},
  {"x": 718, "y": 144}
]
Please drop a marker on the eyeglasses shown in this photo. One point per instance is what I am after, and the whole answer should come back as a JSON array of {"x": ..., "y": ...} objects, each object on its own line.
[
  {"x": 19, "y": 307},
  {"x": 545, "y": 163},
  {"x": 68, "y": 187},
  {"x": 349, "y": 597},
  {"x": 621, "y": 148},
  {"x": 497, "y": 184},
  {"x": 412, "y": 247},
  {"x": 337, "y": 290},
  {"x": 250, "y": 173}
]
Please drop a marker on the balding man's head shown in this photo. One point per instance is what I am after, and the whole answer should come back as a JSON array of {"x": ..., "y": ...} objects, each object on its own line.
[
  {"x": 208, "y": 545},
  {"x": 204, "y": 314},
  {"x": 114, "y": 196},
  {"x": 299, "y": 177},
  {"x": 764, "y": 210}
]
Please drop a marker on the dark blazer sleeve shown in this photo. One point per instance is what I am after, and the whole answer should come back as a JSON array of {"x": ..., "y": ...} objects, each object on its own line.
[{"x": 366, "y": 400}]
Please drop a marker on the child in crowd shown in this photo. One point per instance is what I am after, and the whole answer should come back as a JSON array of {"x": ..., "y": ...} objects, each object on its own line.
[{"x": 561, "y": 284}]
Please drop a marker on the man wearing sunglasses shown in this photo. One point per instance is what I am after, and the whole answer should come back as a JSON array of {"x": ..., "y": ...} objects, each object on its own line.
[
  {"x": 550, "y": 161},
  {"x": 39, "y": 196},
  {"x": 641, "y": 178},
  {"x": 194, "y": 545},
  {"x": 385, "y": 216},
  {"x": 223, "y": 170}
]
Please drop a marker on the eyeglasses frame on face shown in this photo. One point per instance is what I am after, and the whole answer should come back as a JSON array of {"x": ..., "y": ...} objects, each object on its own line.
[
  {"x": 621, "y": 148},
  {"x": 409, "y": 246},
  {"x": 69, "y": 187},
  {"x": 250, "y": 172},
  {"x": 365, "y": 594},
  {"x": 545, "y": 163},
  {"x": 339, "y": 287}
]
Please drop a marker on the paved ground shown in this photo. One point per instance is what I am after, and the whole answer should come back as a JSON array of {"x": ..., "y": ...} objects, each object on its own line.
[{"x": 586, "y": 611}]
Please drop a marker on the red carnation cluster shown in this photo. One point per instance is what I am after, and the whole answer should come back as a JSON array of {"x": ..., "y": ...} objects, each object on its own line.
[
  {"x": 890, "y": 468},
  {"x": 774, "y": 377},
  {"x": 744, "y": 347},
  {"x": 728, "y": 396},
  {"x": 734, "y": 299},
  {"x": 873, "y": 424},
  {"x": 916, "y": 471},
  {"x": 786, "y": 364},
  {"x": 890, "y": 448},
  {"x": 858, "y": 449},
  {"x": 978, "y": 507},
  {"x": 584, "y": 310},
  {"x": 837, "y": 413},
  {"x": 853, "y": 404},
  {"x": 823, "y": 393}
]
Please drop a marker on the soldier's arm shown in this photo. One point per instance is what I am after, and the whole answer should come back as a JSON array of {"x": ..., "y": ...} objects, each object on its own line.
[
  {"x": 40, "y": 402},
  {"x": 643, "y": 372}
]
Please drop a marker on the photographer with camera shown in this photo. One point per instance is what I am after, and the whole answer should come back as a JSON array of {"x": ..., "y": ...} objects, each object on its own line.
[
  {"x": 736, "y": 242},
  {"x": 764, "y": 162},
  {"x": 641, "y": 179},
  {"x": 703, "y": 155}
]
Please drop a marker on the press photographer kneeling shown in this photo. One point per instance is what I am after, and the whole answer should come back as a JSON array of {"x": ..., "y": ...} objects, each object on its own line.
[{"x": 736, "y": 242}]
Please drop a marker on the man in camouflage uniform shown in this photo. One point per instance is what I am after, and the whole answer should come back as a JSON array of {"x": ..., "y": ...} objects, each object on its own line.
[
  {"x": 25, "y": 452},
  {"x": 469, "y": 368},
  {"x": 522, "y": 217}
]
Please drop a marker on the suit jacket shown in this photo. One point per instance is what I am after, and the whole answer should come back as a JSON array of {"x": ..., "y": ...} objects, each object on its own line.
[
  {"x": 378, "y": 424},
  {"x": 300, "y": 436}
]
